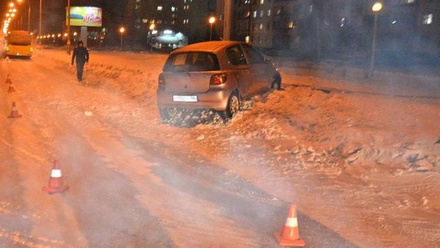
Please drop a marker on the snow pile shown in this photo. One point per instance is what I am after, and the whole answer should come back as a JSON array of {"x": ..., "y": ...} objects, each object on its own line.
[
  {"x": 134, "y": 83},
  {"x": 308, "y": 128}
]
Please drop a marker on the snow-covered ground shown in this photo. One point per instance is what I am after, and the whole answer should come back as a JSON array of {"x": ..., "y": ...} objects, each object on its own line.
[{"x": 359, "y": 156}]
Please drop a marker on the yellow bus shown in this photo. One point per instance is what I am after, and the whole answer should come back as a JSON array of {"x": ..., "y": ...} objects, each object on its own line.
[{"x": 19, "y": 43}]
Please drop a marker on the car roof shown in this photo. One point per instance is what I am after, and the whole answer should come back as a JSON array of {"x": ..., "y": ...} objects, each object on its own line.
[{"x": 207, "y": 46}]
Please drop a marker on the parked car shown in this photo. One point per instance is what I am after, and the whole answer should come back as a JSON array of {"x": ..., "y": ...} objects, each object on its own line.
[{"x": 214, "y": 75}]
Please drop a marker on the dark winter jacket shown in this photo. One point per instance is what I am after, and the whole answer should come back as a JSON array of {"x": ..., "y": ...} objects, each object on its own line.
[{"x": 81, "y": 54}]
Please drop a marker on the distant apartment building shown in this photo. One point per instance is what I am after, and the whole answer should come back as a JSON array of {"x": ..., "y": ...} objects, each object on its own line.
[
  {"x": 320, "y": 26},
  {"x": 189, "y": 17},
  {"x": 308, "y": 26}
]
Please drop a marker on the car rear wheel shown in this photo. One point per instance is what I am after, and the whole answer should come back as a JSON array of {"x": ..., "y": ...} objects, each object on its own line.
[
  {"x": 168, "y": 113},
  {"x": 233, "y": 106}
]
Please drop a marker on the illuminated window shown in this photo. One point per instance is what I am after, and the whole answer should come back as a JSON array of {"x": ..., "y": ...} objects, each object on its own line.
[
  {"x": 173, "y": 9},
  {"x": 269, "y": 12},
  {"x": 291, "y": 24},
  {"x": 159, "y": 8},
  {"x": 261, "y": 13},
  {"x": 427, "y": 19},
  {"x": 406, "y": 1},
  {"x": 254, "y": 14},
  {"x": 261, "y": 1},
  {"x": 260, "y": 27}
]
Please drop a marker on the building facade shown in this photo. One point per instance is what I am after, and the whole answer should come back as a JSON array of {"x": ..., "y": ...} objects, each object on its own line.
[
  {"x": 303, "y": 27},
  {"x": 189, "y": 17}
]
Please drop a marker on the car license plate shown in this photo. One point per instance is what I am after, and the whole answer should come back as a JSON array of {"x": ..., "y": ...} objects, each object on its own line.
[{"x": 177, "y": 98}]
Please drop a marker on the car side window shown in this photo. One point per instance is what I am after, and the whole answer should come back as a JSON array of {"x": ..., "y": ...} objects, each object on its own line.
[
  {"x": 236, "y": 56},
  {"x": 255, "y": 57}
]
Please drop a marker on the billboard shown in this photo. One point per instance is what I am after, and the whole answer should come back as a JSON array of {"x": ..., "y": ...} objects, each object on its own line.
[{"x": 85, "y": 16}]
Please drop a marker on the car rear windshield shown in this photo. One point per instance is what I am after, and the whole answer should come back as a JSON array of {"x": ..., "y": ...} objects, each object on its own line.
[{"x": 192, "y": 61}]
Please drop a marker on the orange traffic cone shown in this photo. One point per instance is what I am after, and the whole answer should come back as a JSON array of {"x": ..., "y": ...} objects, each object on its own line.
[
  {"x": 55, "y": 181},
  {"x": 8, "y": 80},
  {"x": 14, "y": 112},
  {"x": 289, "y": 235},
  {"x": 11, "y": 88}
]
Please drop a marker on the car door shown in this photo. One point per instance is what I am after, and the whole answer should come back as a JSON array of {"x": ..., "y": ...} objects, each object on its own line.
[
  {"x": 240, "y": 66},
  {"x": 262, "y": 73}
]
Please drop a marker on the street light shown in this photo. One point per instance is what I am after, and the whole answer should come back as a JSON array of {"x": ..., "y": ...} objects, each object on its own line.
[
  {"x": 377, "y": 6},
  {"x": 11, "y": 12},
  {"x": 121, "y": 30},
  {"x": 211, "y": 21}
]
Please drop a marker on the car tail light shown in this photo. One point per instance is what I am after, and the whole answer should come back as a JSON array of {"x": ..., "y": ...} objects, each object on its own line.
[
  {"x": 218, "y": 79},
  {"x": 161, "y": 81}
]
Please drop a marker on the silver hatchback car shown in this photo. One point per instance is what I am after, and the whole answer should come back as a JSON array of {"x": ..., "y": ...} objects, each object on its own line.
[{"x": 214, "y": 75}]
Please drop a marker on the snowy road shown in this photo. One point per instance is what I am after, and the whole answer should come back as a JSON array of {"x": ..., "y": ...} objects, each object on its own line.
[
  {"x": 134, "y": 182},
  {"x": 129, "y": 187}
]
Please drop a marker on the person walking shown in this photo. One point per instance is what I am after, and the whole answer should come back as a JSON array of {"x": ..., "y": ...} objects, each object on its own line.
[{"x": 82, "y": 56}]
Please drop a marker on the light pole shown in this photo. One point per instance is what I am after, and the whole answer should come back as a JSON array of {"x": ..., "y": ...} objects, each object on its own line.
[
  {"x": 39, "y": 26},
  {"x": 68, "y": 27},
  {"x": 248, "y": 38},
  {"x": 150, "y": 36},
  {"x": 121, "y": 30},
  {"x": 211, "y": 22},
  {"x": 29, "y": 15},
  {"x": 227, "y": 24},
  {"x": 377, "y": 6}
]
